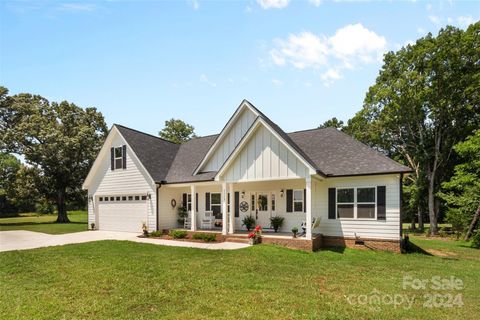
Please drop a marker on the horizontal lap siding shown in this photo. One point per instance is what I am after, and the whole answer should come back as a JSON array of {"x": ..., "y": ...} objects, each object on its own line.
[
  {"x": 132, "y": 180},
  {"x": 387, "y": 229}
]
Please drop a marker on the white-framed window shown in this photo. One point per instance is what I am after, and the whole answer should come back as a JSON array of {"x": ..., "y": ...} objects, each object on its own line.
[
  {"x": 272, "y": 202},
  {"x": 118, "y": 157},
  {"x": 216, "y": 205},
  {"x": 298, "y": 200},
  {"x": 356, "y": 203}
]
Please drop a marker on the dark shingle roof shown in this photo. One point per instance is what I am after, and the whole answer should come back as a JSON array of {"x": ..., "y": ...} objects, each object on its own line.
[
  {"x": 337, "y": 154},
  {"x": 155, "y": 153},
  {"x": 329, "y": 151},
  {"x": 188, "y": 157}
]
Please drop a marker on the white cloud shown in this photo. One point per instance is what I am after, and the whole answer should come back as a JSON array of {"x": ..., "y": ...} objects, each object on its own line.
[
  {"x": 277, "y": 82},
  {"x": 302, "y": 51},
  {"x": 204, "y": 79},
  {"x": 465, "y": 21},
  {"x": 275, "y": 4},
  {"x": 350, "y": 46},
  {"x": 316, "y": 3},
  {"x": 434, "y": 19},
  {"x": 195, "y": 4},
  {"x": 330, "y": 76}
]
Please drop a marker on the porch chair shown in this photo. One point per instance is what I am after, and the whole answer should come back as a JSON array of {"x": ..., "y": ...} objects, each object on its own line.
[
  {"x": 208, "y": 221},
  {"x": 315, "y": 224},
  {"x": 187, "y": 222}
]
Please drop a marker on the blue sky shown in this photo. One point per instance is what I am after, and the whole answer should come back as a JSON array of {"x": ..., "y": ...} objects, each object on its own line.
[{"x": 141, "y": 63}]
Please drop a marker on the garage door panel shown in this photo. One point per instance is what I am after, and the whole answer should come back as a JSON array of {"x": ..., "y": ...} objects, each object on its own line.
[{"x": 122, "y": 216}]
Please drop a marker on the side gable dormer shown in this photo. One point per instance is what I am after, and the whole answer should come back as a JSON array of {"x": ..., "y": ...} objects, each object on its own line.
[{"x": 231, "y": 135}]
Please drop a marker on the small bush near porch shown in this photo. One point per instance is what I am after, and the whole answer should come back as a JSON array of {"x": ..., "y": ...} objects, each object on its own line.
[{"x": 125, "y": 280}]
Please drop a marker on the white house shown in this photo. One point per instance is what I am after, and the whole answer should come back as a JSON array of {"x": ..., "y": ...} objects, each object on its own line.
[{"x": 252, "y": 168}]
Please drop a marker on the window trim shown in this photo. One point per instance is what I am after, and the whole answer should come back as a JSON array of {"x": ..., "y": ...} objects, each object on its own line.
[
  {"x": 356, "y": 203},
  {"x": 216, "y": 204},
  {"x": 273, "y": 202},
  {"x": 115, "y": 158},
  {"x": 293, "y": 201}
]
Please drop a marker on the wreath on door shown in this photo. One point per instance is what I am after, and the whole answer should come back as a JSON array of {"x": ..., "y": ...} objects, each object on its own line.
[{"x": 244, "y": 206}]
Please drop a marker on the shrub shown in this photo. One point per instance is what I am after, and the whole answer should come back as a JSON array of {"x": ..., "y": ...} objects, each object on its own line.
[
  {"x": 157, "y": 233},
  {"x": 178, "y": 234},
  {"x": 248, "y": 222},
  {"x": 276, "y": 222},
  {"x": 207, "y": 237},
  {"x": 476, "y": 240}
]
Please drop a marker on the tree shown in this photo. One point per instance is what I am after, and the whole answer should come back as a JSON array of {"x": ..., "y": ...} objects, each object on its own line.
[
  {"x": 462, "y": 192},
  {"x": 177, "y": 131},
  {"x": 60, "y": 140},
  {"x": 9, "y": 166},
  {"x": 425, "y": 100},
  {"x": 332, "y": 123}
]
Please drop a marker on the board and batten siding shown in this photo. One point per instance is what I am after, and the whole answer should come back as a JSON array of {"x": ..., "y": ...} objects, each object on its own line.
[
  {"x": 264, "y": 157},
  {"x": 377, "y": 229},
  {"x": 230, "y": 140},
  {"x": 130, "y": 181}
]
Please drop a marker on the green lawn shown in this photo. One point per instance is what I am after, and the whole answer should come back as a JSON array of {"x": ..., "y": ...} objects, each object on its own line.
[
  {"x": 125, "y": 280},
  {"x": 46, "y": 223}
]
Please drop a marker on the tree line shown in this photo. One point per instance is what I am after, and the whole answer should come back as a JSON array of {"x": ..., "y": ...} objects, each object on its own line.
[{"x": 423, "y": 111}]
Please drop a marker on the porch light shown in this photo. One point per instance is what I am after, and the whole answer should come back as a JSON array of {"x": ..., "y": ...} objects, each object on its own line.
[
  {"x": 90, "y": 198},
  {"x": 149, "y": 196},
  {"x": 243, "y": 194},
  {"x": 281, "y": 193}
]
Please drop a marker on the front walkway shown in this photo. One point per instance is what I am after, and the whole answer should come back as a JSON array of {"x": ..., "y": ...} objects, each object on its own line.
[{"x": 22, "y": 240}]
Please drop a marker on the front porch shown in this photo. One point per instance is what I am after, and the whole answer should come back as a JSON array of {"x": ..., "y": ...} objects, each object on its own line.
[{"x": 225, "y": 207}]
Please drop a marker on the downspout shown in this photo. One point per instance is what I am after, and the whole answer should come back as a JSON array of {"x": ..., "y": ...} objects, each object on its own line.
[
  {"x": 401, "y": 206},
  {"x": 158, "y": 187}
]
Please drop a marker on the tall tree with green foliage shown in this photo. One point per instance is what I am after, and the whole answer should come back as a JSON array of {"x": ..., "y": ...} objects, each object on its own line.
[
  {"x": 425, "y": 100},
  {"x": 177, "y": 131},
  {"x": 332, "y": 123},
  {"x": 9, "y": 166},
  {"x": 462, "y": 192},
  {"x": 60, "y": 140}
]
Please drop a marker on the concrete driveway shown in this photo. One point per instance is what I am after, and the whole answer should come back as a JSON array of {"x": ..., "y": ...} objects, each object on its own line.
[{"x": 22, "y": 240}]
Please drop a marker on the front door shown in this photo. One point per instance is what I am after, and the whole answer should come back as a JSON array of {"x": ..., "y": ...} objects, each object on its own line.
[{"x": 259, "y": 209}]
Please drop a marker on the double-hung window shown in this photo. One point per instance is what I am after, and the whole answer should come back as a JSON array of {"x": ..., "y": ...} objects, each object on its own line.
[
  {"x": 189, "y": 202},
  {"x": 298, "y": 201},
  {"x": 216, "y": 205},
  {"x": 118, "y": 158},
  {"x": 356, "y": 203}
]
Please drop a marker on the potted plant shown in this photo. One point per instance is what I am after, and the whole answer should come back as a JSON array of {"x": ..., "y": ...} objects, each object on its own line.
[
  {"x": 92, "y": 226},
  {"x": 294, "y": 231},
  {"x": 276, "y": 222},
  {"x": 255, "y": 236},
  {"x": 248, "y": 222},
  {"x": 182, "y": 214},
  {"x": 145, "y": 228}
]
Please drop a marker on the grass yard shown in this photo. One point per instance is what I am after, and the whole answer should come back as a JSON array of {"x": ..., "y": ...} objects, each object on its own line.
[
  {"x": 45, "y": 223},
  {"x": 125, "y": 280}
]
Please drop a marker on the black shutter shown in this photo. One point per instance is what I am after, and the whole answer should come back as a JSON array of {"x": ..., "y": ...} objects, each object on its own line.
[
  {"x": 112, "y": 159},
  {"x": 237, "y": 204},
  {"x": 207, "y": 201},
  {"x": 196, "y": 202},
  {"x": 381, "y": 202},
  {"x": 332, "y": 205},
  {"x": 304, "y": 200},
  {"x": 228, "y": 202},
  {"x": 184, "y": 201},
  {"x": 289, "y": 200},
  {"x": 124, "y": 157}
]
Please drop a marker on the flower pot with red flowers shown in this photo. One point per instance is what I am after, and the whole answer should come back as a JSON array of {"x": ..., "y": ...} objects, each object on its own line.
[{"x": 255, "y": 236}]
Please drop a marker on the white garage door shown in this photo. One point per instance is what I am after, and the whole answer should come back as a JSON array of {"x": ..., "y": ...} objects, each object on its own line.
[{"x": 123, "y": 213}]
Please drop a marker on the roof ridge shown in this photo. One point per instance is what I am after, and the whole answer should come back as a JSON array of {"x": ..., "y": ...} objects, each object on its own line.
[
  {"x": 312, "y": 129},
  {"x": 144, "y": 133}
]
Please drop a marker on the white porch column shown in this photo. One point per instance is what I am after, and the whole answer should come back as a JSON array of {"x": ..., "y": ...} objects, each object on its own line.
[
  {"x": 224, "y": 208},
  {"x": 231, "y": 222},
  {"x": 308, "y": 206},
  {"x": 193, "y": 225}
]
